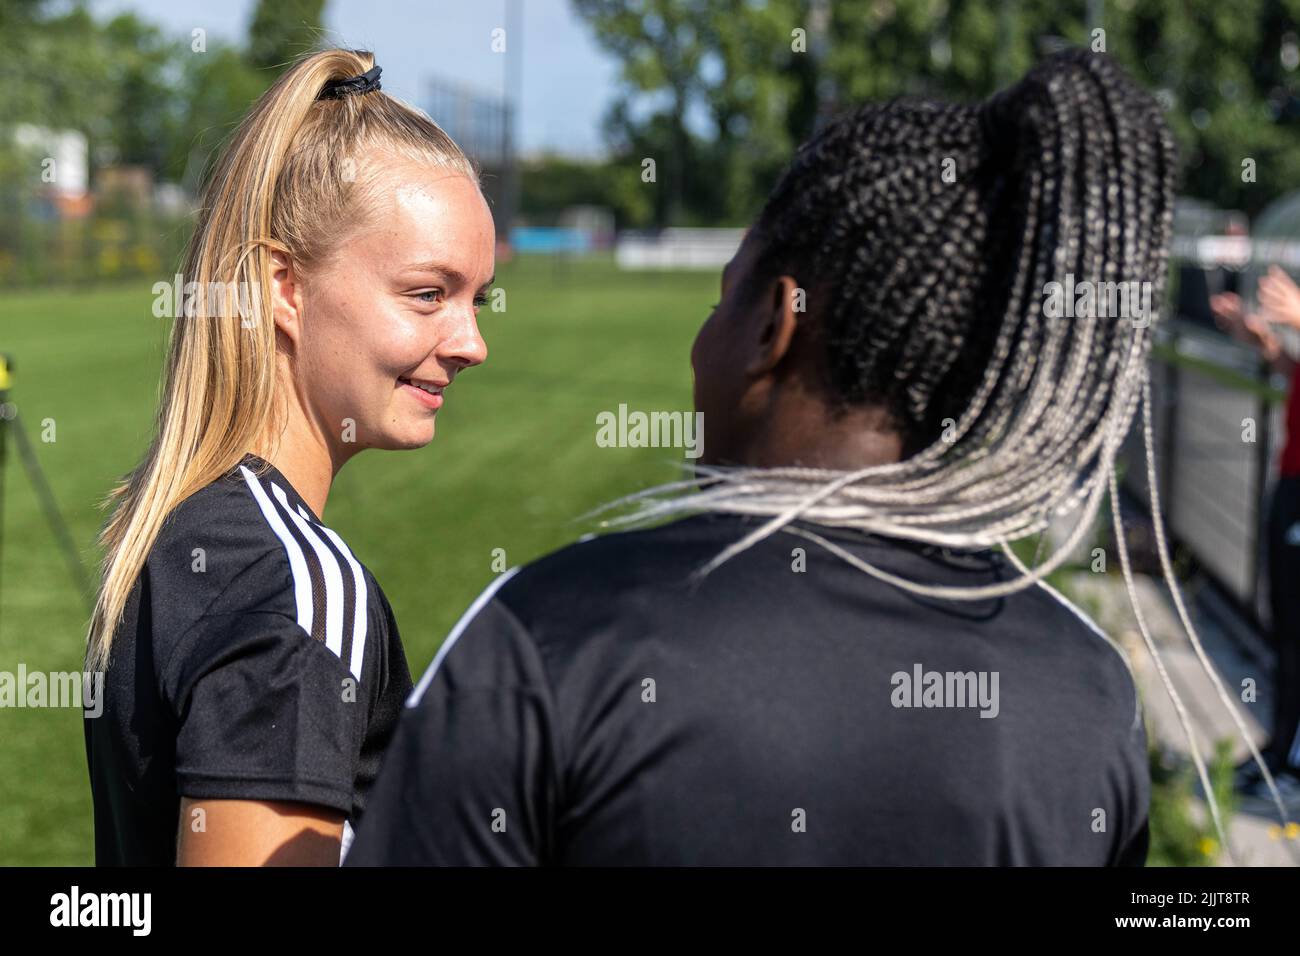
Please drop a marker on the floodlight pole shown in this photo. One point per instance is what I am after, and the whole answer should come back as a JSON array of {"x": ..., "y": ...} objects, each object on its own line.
[{"x": 513, "y": 99}]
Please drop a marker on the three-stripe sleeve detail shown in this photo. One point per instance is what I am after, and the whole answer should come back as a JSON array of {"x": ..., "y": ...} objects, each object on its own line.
[
  {"x": 330, "y": 573},
  {"x": 360, "y": 608},
  {"x": 330, "y": 591},
  {"x": 302, "y": 587}
]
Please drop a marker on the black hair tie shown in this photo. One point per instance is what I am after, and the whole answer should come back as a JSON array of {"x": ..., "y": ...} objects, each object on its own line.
[{"x": 365, "y": 83}]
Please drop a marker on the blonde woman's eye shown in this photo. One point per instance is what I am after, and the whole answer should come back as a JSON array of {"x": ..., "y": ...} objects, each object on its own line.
[{"x": 429, "y": 295}]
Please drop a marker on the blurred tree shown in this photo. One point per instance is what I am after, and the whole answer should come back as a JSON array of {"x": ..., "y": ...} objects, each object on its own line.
[
  {"x": 706, "y": 89},
  {"x": 552, "y": 184},
  {"x": 138, "y": 95},
  {"x": 54, "y": 68},
  {"x": 141, "y": 71},
  {"x": 218, "y": 85},
  {"x": 282, "y": 30},
  {"x": 215, "y": 89},
  {"x": 720, "y": 92},
  {"x": 962, "y": 49},
  {"x": 1229, "y": 77}
]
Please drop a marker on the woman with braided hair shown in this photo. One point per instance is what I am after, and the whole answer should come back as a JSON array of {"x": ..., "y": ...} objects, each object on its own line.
[{"x": 833, "y": 659}]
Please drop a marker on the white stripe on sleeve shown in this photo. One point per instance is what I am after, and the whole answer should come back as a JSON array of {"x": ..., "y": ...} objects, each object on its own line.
[
  {"x": 329, "y": 566},
  {"x": 359, "y": 612},
  {"x": 297, "y": 562}
]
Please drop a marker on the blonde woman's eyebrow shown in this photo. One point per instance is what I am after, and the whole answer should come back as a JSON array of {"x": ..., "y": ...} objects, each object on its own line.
[
  {"x": 452, "y": 275},
  {"x": 438, "y": 268}
]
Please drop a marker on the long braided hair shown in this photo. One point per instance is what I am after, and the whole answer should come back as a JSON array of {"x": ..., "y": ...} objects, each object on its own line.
[{"x": 927, "y": 236}]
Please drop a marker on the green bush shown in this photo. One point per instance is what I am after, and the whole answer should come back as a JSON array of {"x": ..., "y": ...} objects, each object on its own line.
[{"x": 1178, "y": 837}]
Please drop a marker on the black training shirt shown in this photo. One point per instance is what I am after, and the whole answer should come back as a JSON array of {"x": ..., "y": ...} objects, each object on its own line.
[
  {"x": 257, "y": 660},
  {"x": 597, "y": 708}
]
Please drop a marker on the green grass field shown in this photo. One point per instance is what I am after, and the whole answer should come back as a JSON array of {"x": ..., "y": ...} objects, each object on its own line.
[{"x": 515, "y": 462}]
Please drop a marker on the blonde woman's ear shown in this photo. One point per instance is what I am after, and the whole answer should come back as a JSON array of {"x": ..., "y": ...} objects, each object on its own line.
[{"x": 286, "y": 295}]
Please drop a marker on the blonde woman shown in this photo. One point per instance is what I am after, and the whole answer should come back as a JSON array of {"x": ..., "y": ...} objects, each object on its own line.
[{"x": 253, "y": 668}]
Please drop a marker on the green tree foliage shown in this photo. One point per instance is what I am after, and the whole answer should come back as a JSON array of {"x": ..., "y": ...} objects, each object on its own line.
[
  {"x": 140, "y": 96},
  {"x": 552, "y": 184},
  {"x": 67, "y": 71},
  {"x": 707, "y": 93},
  {"x": 283, "y": 30},
  {"x": 214, "y": 92},
  {"x": 718, "y": 94},
  {"x": 1231, "y": 78}
]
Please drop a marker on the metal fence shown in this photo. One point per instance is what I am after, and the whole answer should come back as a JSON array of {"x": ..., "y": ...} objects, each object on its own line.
[
  {"x": 1218, "y": 414},
  {"x": 1218, "y": 428},
  {"x": 483, "y": 126}
]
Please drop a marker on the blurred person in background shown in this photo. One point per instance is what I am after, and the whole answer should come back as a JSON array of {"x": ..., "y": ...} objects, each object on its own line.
[{"x": 1279, "y": 303}]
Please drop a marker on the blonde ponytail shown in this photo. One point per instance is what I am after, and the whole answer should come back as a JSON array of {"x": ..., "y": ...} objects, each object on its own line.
[{"x": 288, "y": 181}]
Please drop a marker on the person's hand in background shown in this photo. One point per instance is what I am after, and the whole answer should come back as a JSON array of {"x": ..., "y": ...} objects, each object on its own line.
[
  {"x": 1227, "y": 308},
  {"x": 1248, "y": 327},
  {"x": 1279, "y": 297}
]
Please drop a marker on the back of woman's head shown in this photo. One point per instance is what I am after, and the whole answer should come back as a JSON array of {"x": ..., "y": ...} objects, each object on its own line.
[
  {"x": 298, "y": 174},
  {"x": 989, "y": 275},
  {"x": 929, "y": 240},
  {"x": 927, "y": 234}
]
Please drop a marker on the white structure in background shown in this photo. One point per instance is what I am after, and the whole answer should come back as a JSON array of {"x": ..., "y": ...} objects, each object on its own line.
[
  {"x": 678, "y": 249},
  {"x": 596, "y": 221},
  {"x": 71, "y": 169},
  {"x": 171, "y": 200}
]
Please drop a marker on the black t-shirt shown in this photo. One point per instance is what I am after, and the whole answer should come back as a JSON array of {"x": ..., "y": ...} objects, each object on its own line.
[
  {"x": 257, "y": 660},
  {"x": 598, "y": 708}
]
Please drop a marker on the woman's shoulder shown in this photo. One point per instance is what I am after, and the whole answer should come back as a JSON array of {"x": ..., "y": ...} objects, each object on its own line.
[
  {"x": 246, "y": 553},
  {"x": 221, "y": 550},
  {"x": 221, "y": 521}
]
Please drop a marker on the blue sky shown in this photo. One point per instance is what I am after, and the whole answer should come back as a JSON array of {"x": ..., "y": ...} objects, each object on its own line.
[{"x": 567, "y": 82}]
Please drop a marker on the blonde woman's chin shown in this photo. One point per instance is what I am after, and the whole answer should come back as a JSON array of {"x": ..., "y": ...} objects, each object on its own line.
[{"x": 411, "y": 435}]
